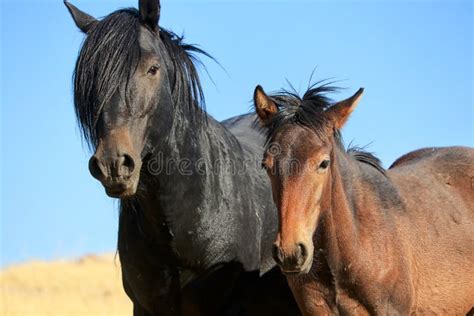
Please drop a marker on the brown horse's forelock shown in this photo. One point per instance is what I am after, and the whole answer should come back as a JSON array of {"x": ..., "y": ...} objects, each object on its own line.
[{"x": 308, "y": 111}]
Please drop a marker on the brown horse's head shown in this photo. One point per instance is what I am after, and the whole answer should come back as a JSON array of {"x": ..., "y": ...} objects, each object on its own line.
[{"x": 298, "y": 160}]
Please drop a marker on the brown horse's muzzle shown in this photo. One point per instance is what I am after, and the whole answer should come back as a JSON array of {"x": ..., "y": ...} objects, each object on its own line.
[
  {"x": 293, "y": 259},
  {"x": 116, "y": 165}
]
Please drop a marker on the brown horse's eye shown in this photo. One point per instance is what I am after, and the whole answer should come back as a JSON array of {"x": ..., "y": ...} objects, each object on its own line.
[
  {"x": 153, "y": 70},
  {"x": 324, "y": 164}
]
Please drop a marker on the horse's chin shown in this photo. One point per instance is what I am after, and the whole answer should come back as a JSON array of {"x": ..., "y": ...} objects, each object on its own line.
[
  {"x": 300, "y": 271},
  {"x": 121, "y": 190}
]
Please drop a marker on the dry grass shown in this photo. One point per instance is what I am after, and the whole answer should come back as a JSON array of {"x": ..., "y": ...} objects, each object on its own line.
[{"x": 88, "y": 286}]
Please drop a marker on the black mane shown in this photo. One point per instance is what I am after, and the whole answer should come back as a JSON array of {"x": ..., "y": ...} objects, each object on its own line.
[
  {"x": 366, "y": 157},
  {"x": 308, "y": 111},
  {"x": 186, "y": 85},
  {"x": 108, "y": 58}
]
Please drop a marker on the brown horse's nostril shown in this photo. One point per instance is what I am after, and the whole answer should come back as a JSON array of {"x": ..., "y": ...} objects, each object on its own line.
[
  {"x": 277, "y": 255},
  {"x": 95, "y": 168},
  {"x": 301, "y": 253},
  {"x": 293, "y": 260}
]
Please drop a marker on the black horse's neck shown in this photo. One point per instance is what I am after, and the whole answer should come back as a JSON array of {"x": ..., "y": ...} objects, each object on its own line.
[{"x": 196, "y": 183}]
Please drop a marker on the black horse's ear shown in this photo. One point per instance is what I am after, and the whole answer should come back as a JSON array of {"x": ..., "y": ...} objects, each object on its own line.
[
  {"x": 264, "y": 105},
  {"x": 150, "y": 13},
  {"x": 83, "y": 20}
]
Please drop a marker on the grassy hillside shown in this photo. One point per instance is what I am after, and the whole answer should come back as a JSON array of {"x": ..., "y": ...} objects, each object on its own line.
[{"x": 88, "y": 286}]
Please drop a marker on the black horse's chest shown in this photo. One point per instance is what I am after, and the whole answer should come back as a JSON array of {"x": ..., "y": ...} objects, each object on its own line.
[{"x": 204, "y": 238}]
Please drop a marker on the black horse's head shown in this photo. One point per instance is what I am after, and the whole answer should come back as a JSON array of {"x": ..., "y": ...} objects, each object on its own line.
[{"x": 130, "y": 75}]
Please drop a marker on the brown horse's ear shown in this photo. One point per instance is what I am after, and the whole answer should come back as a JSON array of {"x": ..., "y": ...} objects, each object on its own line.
[
  {"x": 339, "y": 112},
  {"x": 83, "y": 20},
  {"x": 150, "y": 13},
  {"x": 264, "y": 105}
]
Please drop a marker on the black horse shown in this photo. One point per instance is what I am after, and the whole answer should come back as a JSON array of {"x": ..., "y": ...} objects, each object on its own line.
[{"x": 196, "y": 216}]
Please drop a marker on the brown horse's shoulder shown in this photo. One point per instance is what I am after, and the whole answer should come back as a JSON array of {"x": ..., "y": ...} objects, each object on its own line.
[
  {"x": 449, "y": 166},
  {"x": 414, "y": 156},
  {"x": 462, "y": 156},
  {"x": 455, "y": 154},
  {"x": 450, "y": 162},
  {"x": 455, "y": 167}
]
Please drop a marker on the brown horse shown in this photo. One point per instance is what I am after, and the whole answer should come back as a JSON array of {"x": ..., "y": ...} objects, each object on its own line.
[{"x": 355, "y": 238}]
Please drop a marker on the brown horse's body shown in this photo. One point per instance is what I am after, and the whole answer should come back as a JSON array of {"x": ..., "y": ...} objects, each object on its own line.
[
  {"x": 355, "y": 239},
  {"x": 401, "y": 243}
]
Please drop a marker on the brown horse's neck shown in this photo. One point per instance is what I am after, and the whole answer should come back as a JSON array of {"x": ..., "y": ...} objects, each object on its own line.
[
  {"x": 351, "y": 218},
  {"x": 338, "y": 221}
]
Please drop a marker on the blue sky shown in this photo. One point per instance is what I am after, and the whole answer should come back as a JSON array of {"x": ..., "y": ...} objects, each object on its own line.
[{"x": 414, "y": 59}]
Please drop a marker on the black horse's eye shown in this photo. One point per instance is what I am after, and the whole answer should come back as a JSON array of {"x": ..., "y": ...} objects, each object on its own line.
[
  {"x": 324, "y": 164},
  {"x": 153, "y": 70}
]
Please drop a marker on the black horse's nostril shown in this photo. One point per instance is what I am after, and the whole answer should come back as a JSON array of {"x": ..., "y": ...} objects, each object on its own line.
[
  {"x": 128, "y": 164},
  {"x": 277, "y": 256},
  {"x": 95, "y": 168},
  {"x": 108, "y": 167},
  {"x": 122, "y": 166}
]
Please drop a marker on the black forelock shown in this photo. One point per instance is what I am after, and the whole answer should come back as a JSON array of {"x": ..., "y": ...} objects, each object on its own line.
[
  {"x": 308, "y": 111},
  {"x": 109, "y": 57}
]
